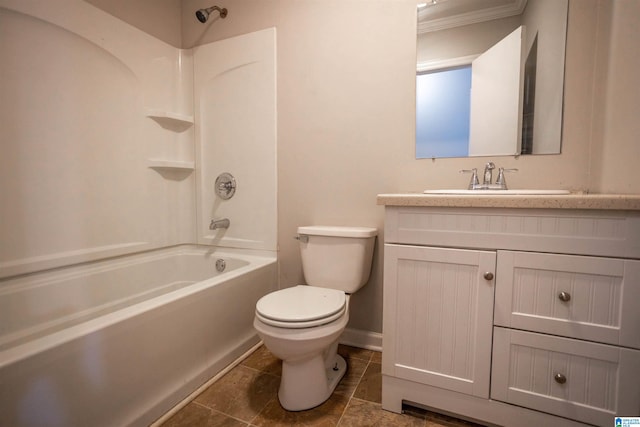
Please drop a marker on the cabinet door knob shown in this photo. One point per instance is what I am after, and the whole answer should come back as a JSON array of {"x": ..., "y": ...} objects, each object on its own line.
[
  {"x": 488, "y": 275},
  {"x": 564, "y": 296},
  {"x": 560, "y": 379}
]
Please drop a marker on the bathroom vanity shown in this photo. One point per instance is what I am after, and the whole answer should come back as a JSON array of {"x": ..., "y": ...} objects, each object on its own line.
[{"x": 513, "y": 310}]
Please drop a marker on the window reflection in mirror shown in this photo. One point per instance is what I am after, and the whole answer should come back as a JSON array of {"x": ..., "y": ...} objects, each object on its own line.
[
  {"x": 442, "y": 112},
  {"x": 526, "y": 119}
]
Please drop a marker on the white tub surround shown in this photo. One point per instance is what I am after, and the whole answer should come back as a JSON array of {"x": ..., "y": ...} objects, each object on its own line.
[
  {"x": 86, "y": 115},
  {"x": 105, "y": 125},
  {"x": 235, "y": 107},
  {"x": 513, "y": 310},
  {"x": 121, "y": 341}
]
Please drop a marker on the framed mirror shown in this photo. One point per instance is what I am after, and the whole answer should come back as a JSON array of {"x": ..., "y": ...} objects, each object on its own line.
[{"x": 490, "y": 77}]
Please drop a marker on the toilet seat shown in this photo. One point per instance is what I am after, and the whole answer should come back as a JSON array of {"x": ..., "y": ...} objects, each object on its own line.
[{"x": 301, "y": 307}]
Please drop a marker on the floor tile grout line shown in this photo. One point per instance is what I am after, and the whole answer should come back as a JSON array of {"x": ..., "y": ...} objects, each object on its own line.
[
  {"x": 202, "y": 405},
  {"x": 260, "y": 371},
  {"x": 354, "y": 391},
  {"x": 235, "y": 418},
  {"x": 229, "y": 415},
  {"x": 262, "y": 409}
]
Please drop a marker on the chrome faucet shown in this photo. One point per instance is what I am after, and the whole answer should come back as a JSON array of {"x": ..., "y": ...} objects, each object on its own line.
[
  {"x": 220, "y": 223},
  {"x": 488, "y": 174},
  {"x": 487, "y": 180}
]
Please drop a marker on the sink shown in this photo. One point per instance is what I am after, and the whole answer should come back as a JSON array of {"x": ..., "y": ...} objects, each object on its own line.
[{"x": 499, "y": 192}]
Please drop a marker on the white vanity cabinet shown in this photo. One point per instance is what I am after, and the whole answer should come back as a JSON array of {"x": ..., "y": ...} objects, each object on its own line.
[{"x": 513, "y": 317}]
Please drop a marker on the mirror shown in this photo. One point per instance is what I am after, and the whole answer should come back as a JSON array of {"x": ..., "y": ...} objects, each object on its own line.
[{"x": 490, "y": 77}]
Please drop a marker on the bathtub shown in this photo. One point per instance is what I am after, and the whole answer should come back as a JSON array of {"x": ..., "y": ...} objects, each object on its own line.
[{"x": 119, "y": 342}]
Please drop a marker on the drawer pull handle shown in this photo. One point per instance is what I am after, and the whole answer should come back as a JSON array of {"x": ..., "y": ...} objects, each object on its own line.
[
  {"x": 564, "y": 296},
  {"x": 560, "y": 379},
  {"x": 488, "y": 275}
]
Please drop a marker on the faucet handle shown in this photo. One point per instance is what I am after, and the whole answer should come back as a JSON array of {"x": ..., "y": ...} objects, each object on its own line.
[
  {"x": 500, "y": 180},
  {"x": 473, "y": 183}
]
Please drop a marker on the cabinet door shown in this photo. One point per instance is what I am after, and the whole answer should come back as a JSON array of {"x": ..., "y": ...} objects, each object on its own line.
[
  {"x": 438, "y": 315},
  {"x": 581, "y": 297}
]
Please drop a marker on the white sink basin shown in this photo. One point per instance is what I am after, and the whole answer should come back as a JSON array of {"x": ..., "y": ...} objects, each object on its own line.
[{"x": 498, "y": 192}]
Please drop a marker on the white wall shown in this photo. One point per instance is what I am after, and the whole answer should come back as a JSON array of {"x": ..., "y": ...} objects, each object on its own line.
[
  {"x": 235, "y": 106},
  {"x": 74, "y": 178}
]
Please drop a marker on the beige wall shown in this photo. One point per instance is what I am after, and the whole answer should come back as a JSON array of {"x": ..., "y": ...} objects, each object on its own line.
[
  {"x": 616, "y": 127},
  {"x": 346, "y": 110},
  {"x": 160, "y": 18}
]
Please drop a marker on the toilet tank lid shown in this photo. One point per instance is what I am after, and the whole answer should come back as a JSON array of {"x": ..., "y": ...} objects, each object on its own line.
[{"x": 338, "y": 231}]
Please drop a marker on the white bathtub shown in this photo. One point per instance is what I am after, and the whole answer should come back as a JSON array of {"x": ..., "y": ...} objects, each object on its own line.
[{"x": 119, "y": 342}]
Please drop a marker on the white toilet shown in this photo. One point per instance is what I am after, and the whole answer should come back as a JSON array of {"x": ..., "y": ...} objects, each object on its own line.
[{"x": 301, "y": 325}]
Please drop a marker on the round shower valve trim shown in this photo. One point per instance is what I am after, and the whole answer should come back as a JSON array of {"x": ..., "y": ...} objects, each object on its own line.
[{"x": 225, "y": 186}]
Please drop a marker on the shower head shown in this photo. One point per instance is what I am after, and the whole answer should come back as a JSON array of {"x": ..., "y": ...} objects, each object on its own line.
[{"x": 203, "y": 14}]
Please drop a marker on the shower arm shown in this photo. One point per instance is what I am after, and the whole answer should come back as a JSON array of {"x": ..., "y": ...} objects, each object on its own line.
[
  {"x": 222, "y": 11},
  {"x": 203, "y": 14}
]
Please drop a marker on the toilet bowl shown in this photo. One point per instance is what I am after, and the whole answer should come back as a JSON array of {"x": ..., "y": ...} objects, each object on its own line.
[
  {"x": 311, "y": 367},
  {"x": 301, "y": 325}
]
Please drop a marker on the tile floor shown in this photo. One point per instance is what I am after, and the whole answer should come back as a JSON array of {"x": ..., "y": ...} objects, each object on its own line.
[{"x": 247, "y": 396}]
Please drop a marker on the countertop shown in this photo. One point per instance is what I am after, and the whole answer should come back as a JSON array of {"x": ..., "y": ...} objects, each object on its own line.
[{"x": 627, "y": 202}]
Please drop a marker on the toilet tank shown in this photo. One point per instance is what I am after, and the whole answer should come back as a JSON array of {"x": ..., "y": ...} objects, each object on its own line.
[{"x": 337, "y": 257}]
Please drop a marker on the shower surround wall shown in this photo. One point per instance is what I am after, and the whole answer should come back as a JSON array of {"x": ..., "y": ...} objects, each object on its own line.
[
  {"x": 98, "y": 140},
  {"x": 76, "y": 87},
  {"x": 99, "y": 160},
  {"x": 237, "y": 137}
]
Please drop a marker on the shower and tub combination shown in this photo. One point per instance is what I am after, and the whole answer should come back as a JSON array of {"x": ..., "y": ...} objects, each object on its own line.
[{"x": 117, "y": 300}]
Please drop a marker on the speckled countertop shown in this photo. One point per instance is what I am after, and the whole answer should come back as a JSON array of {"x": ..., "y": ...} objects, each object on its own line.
[{"x": 628, "y": 202}]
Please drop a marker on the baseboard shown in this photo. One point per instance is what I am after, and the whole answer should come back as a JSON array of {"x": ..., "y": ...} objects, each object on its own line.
[
  {"x": 184, "y": 402},
  {"x": 362, "y": 339}
]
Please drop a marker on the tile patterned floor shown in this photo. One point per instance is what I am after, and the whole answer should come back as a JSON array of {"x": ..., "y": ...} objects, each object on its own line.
[{"x": 247, "y": 396}]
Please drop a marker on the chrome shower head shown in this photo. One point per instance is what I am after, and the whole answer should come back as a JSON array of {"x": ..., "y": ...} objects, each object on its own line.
[{"x": 203, "y": 14}]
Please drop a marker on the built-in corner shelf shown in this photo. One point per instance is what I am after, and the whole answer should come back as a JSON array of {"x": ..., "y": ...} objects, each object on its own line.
[
  {"x": 169, "y": 120},
  {"x": 178, "y": 165}
]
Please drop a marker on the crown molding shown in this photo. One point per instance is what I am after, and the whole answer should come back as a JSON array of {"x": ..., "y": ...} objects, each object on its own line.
[{"x": 482, "y": 15}]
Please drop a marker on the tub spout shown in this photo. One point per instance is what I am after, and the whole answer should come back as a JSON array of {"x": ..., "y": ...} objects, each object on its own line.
[{"x": 219, "y": 223}]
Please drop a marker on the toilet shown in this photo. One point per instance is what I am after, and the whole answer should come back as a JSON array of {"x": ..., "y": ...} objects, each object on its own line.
[{"x": 301, "y": 325}]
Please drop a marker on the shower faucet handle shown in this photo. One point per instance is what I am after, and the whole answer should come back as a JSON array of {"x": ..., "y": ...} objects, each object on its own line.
[{"x": 225, "y": 186}]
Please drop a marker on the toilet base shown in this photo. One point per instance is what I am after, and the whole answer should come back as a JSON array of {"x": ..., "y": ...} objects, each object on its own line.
[{"x": 306, "y": 385}]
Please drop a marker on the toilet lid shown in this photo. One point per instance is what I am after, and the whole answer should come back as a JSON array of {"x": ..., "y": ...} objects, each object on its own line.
[{"x": 301, "y": 304}]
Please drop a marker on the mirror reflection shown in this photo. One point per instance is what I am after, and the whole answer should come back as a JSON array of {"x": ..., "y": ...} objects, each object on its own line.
[{"x": 490, "y": 77}]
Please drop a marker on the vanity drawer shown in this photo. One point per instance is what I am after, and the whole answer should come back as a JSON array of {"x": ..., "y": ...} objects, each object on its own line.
[
  {"x": 579, "y": 380},
  {"x": 589, "y": 298}
]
